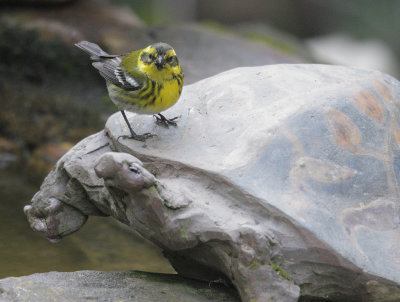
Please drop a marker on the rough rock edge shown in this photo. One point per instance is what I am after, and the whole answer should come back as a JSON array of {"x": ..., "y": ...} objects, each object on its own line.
[
  {"x": 111, "y": 286},
  {"x": 250, "y": 255}
]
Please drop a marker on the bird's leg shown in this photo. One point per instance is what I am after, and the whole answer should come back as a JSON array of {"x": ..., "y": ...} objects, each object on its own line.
[
  {"x": 163, "y": 121},
  {"x": 138, "y": 137}
]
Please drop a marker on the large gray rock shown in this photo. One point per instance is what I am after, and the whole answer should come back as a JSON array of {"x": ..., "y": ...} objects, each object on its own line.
[
  {"x": 281, "y": 179},
  {"x": 110, "y": 287}
]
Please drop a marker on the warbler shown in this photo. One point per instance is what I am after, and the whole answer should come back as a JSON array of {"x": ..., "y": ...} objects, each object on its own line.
[{"x": 145, "y": 81}]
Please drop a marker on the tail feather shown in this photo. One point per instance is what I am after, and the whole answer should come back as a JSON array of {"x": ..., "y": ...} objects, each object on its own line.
[{"x": 93, "y": 50}]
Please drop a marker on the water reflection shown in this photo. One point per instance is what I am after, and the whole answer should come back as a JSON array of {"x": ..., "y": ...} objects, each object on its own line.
[{"x": 102, "y": 244}]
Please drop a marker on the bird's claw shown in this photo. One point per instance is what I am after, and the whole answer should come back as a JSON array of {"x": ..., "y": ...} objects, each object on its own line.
[
  {"x": 165, "y": 122},
  {"x": 138, "y": 137}
]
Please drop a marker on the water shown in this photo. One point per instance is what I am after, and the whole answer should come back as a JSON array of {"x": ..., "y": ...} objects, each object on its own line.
[{"x": 102, "y": 244}]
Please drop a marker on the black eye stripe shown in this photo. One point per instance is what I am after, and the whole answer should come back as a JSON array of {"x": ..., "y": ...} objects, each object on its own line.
[
  {"x": 146, "y": 57},
  {"x": 173, "y": 61}
]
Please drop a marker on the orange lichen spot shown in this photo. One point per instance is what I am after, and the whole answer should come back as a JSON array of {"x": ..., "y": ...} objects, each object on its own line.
[
  {"x": 369, "y": 104},
  {"x": 383, "y": 91},
  {"x": 396, "y": 133},
  {"x": 342, "y": 129}
]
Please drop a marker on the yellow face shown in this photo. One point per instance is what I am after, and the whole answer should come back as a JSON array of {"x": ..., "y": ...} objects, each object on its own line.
[{"x": 159, "y": 62}]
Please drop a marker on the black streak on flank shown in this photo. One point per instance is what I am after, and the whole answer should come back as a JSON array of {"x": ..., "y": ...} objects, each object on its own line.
[
  {"x": 150, "y": 92},
  {"x": 178, "y": 79}
]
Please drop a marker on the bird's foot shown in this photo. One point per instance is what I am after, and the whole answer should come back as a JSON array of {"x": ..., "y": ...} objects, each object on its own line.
[
  {"x": 138, "y": 137},
  {"x": 163, "y": 121}
]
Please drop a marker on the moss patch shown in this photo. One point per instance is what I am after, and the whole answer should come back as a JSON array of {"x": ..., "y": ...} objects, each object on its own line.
[
  {"x": 255, "y": 265},
  {"x": 183, "y": 228},
  {"x": 280, "y": 271}
]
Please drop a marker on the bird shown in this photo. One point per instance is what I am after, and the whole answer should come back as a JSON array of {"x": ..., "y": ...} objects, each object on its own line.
[{"x": 144, "y": 81}]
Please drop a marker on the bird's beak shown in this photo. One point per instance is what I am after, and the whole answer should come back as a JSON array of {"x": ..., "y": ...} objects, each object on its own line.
[{"x": 160, "y": 62}]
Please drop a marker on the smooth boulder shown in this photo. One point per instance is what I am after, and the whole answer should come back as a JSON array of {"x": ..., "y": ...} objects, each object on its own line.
[{"x": 281, "y": 179}]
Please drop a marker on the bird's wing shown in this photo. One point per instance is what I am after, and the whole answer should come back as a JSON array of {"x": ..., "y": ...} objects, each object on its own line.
[
  {"x": 111, "y": 70},
  {"x": 94, "y": 50}
]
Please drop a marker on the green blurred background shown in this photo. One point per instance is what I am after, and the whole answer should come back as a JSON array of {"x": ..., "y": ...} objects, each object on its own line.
[{"x": 51, "y": 97}]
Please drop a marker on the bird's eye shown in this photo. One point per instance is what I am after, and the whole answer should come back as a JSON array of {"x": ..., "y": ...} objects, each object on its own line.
[{"x": 152, "y": 57}]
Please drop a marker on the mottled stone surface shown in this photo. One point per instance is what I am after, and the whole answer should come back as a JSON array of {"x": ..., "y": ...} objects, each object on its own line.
[
  {"x": 282, "y": 179},
  {"x": 111, "y": 286}
]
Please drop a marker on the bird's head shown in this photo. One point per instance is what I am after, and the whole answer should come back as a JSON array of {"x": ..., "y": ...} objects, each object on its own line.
[{"x": 159, "y": 62}]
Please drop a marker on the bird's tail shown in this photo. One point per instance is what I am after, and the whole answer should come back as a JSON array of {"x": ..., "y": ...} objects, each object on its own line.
[{"x": 93, "y": 50}]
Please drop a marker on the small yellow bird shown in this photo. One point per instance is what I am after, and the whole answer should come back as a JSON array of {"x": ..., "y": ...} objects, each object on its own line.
[{"x": 145, "y": 81}]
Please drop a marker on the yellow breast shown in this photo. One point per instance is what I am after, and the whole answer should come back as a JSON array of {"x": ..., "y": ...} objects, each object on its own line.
[
  {"x": 167, "y": 95},
  {"x": 153, "y": 98}
]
